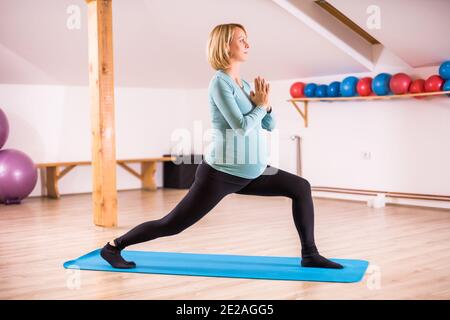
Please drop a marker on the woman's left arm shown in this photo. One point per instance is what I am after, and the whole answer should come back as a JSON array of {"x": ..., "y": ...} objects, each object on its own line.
[{"x": 268, "y": 121}]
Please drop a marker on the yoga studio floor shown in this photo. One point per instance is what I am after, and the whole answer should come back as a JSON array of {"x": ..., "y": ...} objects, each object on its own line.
[{"x": 408, "y": 248}]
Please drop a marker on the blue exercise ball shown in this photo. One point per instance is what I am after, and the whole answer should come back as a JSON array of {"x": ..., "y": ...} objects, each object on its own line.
[
  {"x": 333, "y": 89},
  {"x": 444, "y": 70},
  {"x": 321, "y": 91},
  {"x": 446, "y": 86},
  {"x": 348, "y": 86},
  {"x": 380, "y": 84},
  {"x": 310, "y": 90}
]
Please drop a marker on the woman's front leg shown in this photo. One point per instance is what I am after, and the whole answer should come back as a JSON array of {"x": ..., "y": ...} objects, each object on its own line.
[{"x": 277, "y": 182}]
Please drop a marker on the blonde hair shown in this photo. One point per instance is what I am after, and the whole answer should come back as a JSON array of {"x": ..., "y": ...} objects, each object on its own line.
[{"x": 218, "y": 47}]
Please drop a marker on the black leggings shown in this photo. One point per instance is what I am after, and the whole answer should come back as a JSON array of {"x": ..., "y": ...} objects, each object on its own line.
[{"x": 211, "y": 185}]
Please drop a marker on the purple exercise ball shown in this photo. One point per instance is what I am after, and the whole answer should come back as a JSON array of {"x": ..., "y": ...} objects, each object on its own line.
[
  {"x": 18, "y": 175},
  {"x": 4, "y": 128}
]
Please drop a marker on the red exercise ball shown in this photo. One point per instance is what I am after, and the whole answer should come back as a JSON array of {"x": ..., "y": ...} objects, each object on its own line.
[
  {"x": 364, "y": 86},
  {"x": 417, "y": 86},
  {"x": 399, "y": 83},
  {"x": 297, "y": 90},
  {"x": 434, "y": 83}
]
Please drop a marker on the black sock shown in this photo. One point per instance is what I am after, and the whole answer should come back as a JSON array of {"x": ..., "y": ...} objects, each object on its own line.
[
  {"x": 317, "y": 261},
  {"x": 312, "y": 259},
  {"x": 112, "y": 255}
]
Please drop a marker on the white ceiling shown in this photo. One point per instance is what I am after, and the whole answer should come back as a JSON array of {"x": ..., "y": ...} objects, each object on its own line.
[
  {"x": 418, "y": 31},
  {"x": 161, "y": 43}
]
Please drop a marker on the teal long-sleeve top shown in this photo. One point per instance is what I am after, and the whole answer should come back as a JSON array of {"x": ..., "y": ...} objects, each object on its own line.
[{"x": 238, "y": 146}]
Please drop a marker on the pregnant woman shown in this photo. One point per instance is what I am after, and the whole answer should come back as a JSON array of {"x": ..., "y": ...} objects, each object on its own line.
[{"x": 238, "y": 114}]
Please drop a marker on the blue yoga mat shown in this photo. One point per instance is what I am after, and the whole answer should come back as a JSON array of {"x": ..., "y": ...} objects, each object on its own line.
[{"x": 221, "y": 265}]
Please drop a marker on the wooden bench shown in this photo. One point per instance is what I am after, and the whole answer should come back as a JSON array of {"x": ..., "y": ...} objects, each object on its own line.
[{"x": 53, "y": 174}]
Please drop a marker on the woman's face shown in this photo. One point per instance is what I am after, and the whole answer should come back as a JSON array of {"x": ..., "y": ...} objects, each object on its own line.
[{"x": 239, "y": 45}]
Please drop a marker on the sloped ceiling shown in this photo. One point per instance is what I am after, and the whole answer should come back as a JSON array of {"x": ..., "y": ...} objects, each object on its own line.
[
  {"x": 162, "y": 43},
  {"x": 159, "y": 43},
  {"x": 417, "y": 31}
]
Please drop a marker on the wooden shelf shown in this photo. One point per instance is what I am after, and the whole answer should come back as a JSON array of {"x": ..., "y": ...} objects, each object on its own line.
[{"x": 304, "y": 112}]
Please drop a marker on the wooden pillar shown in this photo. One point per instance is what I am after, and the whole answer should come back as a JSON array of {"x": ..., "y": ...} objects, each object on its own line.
[{"x": 101, "y": 86}]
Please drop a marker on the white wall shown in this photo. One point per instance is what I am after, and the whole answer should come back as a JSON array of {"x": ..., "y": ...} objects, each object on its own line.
[
  {"x": 409, "y": 141},
  {"x": 52, "y": 124},
  {"x": 408, "y": 138}
]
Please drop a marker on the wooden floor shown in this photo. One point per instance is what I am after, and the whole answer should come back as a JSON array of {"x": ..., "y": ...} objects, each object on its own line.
[{"x": 408, "y": 248}]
